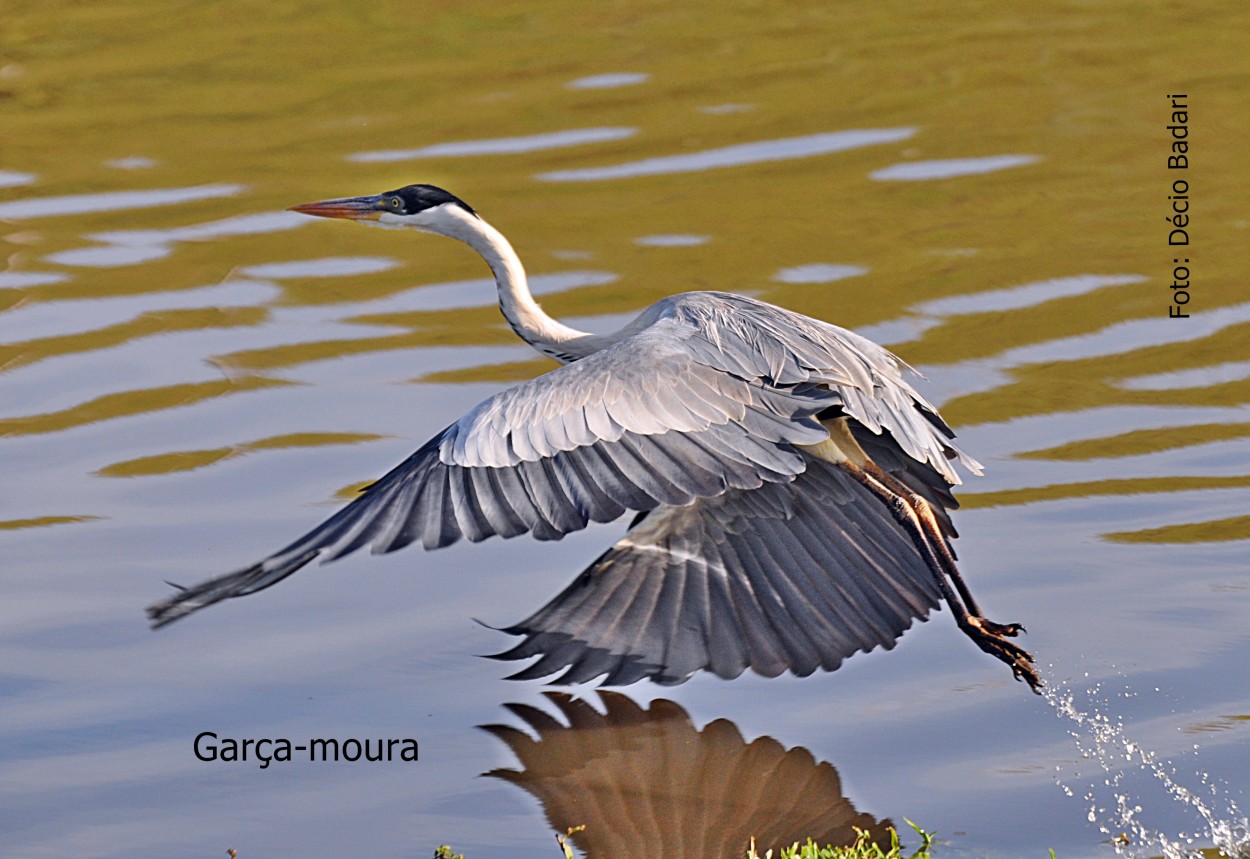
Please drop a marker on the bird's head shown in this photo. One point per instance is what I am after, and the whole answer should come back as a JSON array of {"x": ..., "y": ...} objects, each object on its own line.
[{"x": 423, "y": 207}]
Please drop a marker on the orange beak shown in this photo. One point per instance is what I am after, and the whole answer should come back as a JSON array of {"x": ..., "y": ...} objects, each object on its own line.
[{"x": 351, "y": 208}]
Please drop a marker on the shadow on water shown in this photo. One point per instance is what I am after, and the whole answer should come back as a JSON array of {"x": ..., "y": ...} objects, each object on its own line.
[{"x": 644, "y": 781}]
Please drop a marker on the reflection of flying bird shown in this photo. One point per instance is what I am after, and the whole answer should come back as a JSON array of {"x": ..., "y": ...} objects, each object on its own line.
[
  {"x": 791, "y": 487},
  {"x": 646, "y": 782}
]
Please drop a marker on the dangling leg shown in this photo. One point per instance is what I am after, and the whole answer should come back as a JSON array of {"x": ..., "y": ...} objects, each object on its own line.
[
  {"x": 916, "y": 516},
  {"x": 924, "y": 513}
]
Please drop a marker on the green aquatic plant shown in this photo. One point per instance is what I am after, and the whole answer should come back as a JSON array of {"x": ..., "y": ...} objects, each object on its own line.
[
  {"x": 568, "y": 851},
  {"x": 861, "y": 848}
]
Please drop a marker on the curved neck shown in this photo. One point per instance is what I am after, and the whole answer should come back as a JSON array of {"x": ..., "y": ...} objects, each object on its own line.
[{"x": 528, "y": 320}]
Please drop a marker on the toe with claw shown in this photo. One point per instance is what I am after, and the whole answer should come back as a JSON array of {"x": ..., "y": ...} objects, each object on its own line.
[
  {"x": 1008, "y": 629},
  {"x": 991, "y": 637}
]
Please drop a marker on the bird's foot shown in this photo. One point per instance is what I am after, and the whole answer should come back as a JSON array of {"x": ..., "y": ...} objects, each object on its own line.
[
  {"x": 992, "y": 638},
  {"x": 1009, "y": 629}
]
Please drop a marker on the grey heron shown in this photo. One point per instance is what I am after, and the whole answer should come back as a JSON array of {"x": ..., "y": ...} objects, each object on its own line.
[{"x": 790, "y": 487}]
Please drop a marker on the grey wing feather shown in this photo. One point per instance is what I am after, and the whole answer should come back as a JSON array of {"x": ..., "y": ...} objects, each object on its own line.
[
  {"x": 504, "y": 469},
  {"x": 795, "y": 576},
  {"x": 752, "y": 338},
  {"x": 654, "y": 382},
  {"x": 705, "y": 393}
]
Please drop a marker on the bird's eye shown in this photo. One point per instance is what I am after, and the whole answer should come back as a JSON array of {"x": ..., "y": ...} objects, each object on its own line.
[{"x": 396, "y": 203}]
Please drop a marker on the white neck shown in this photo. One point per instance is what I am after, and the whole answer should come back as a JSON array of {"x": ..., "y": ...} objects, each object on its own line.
[{"x": 527, "y": 319}]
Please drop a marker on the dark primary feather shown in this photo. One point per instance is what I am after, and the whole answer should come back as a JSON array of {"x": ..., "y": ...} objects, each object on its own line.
[
  {"x": 795, "y": 576},
  {"x": 437, "y": 504}
]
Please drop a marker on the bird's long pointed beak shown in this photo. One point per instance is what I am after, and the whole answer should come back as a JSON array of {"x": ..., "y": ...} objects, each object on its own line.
[{"x": 352, "y": 208}]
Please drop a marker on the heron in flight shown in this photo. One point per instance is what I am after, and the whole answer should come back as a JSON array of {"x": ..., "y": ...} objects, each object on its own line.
[{"x": 790, "y": 488}]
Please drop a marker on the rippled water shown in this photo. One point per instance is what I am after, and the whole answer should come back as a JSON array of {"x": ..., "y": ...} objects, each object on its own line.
[{"x": 191, "y": 376}]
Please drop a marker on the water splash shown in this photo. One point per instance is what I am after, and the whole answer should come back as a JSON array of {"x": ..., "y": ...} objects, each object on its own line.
[{"x": 1115, "y": 802}]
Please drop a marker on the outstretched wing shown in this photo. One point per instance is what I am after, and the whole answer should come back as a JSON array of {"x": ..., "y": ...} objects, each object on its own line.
[
  {"x": 640, "y": 424},
  {"x": 796, "y": 576},
  {"x": 709, "y": 393}
]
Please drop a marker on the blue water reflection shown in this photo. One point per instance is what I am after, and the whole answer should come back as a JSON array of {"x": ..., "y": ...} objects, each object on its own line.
[
  {"x": 498, "y": 145},
  {"x": 948, "y": 168},
  {"x": 112, "y": 201},
  {"x": 737, "y": 155}
]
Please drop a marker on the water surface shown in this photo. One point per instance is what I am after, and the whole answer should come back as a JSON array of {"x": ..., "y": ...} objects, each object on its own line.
[{"x": 191, "y": 376}]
